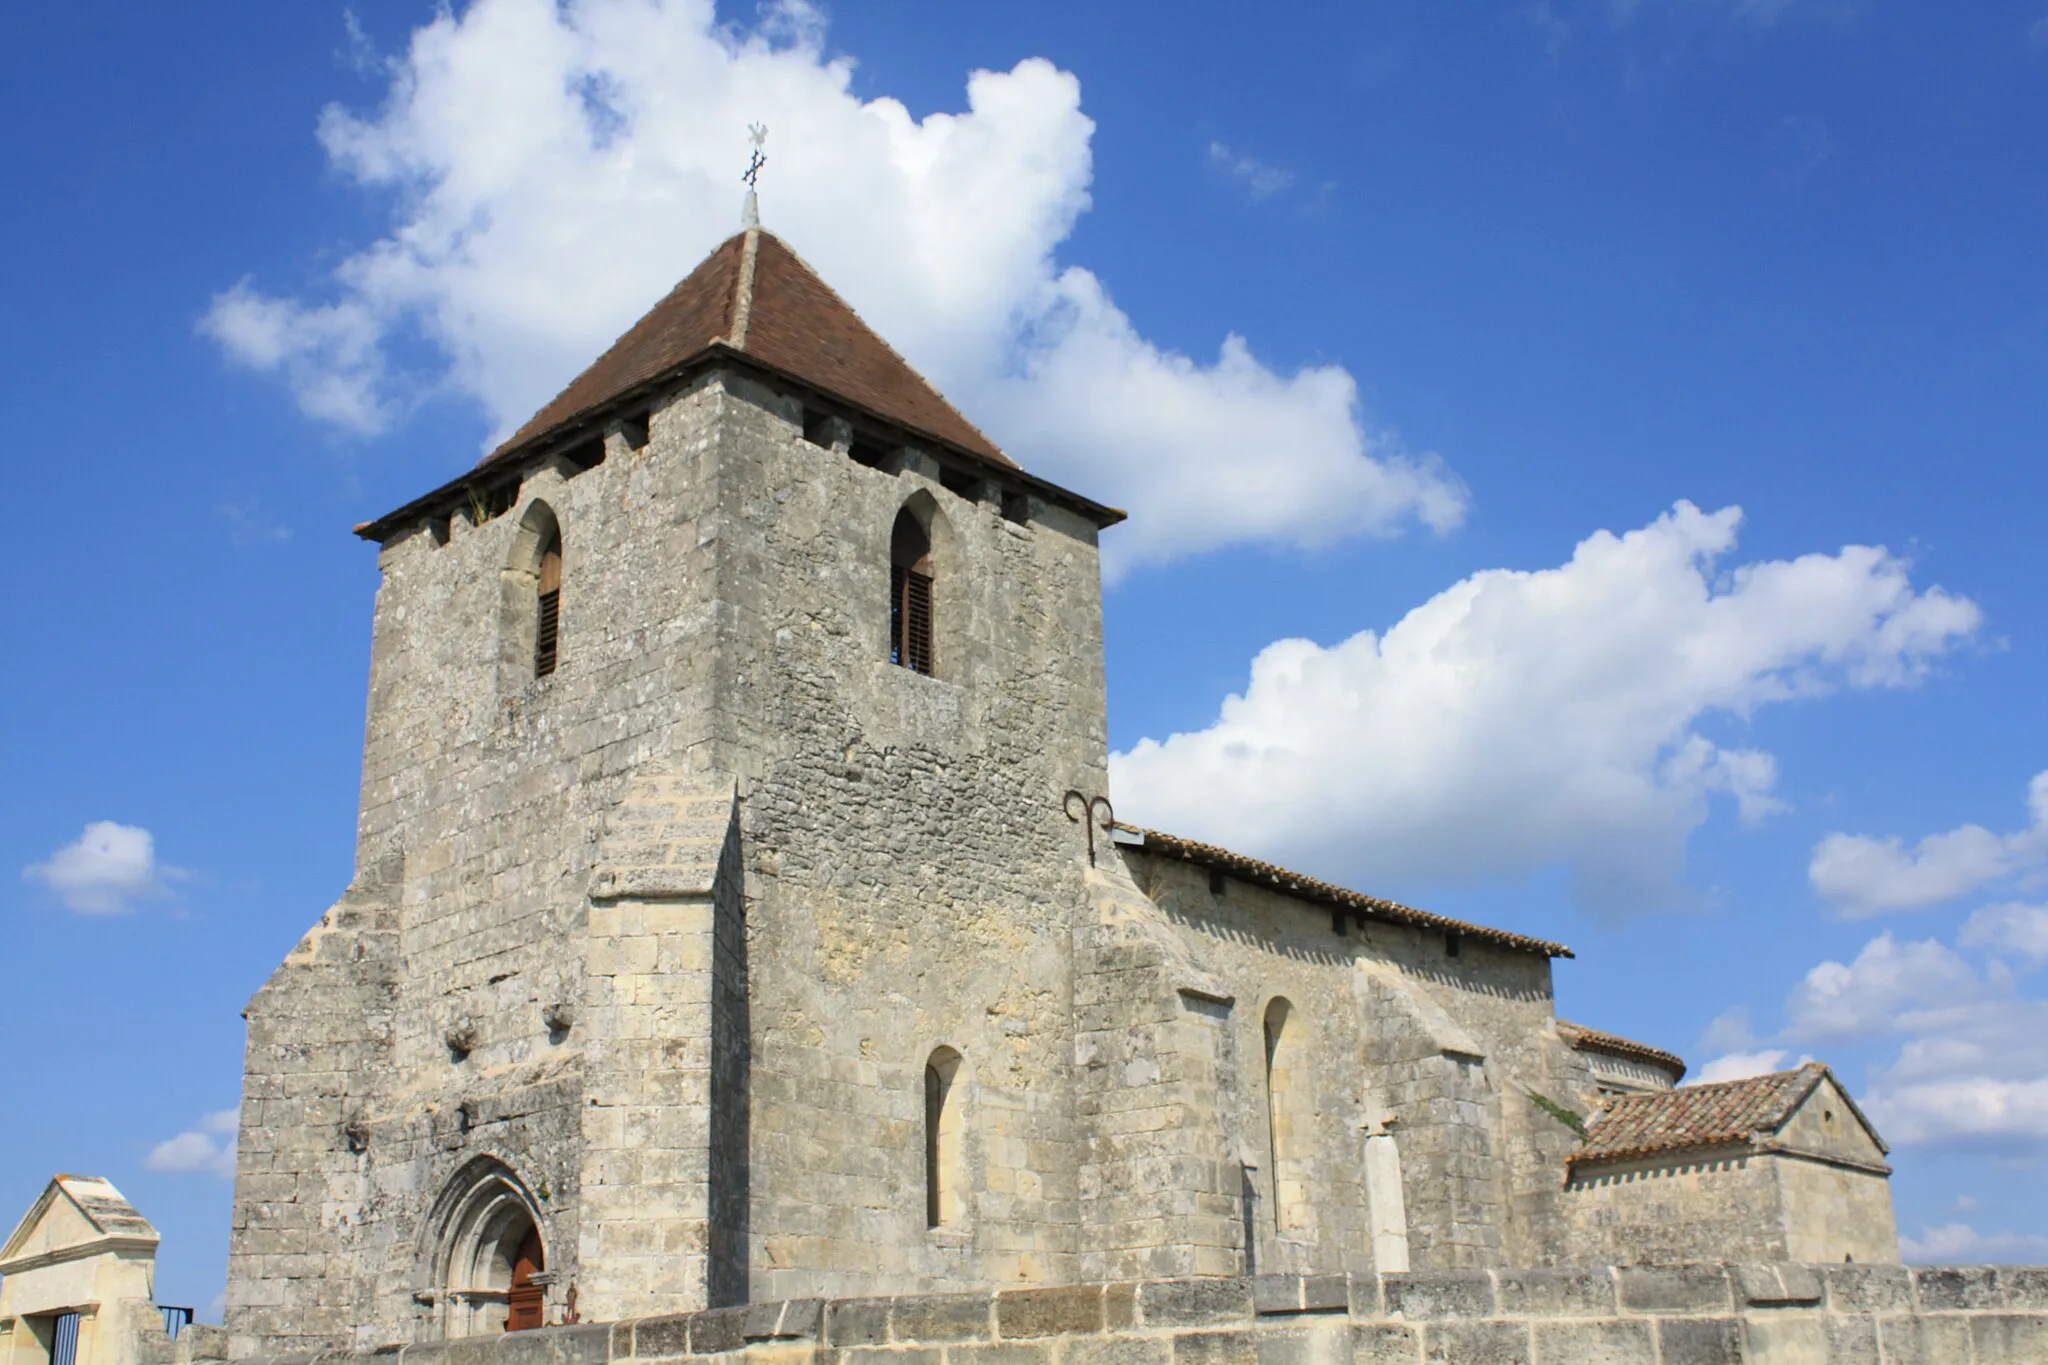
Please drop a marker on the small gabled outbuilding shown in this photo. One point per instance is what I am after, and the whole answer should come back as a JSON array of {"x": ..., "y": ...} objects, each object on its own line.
[
  {"x": 1783, "y": 1167},
  {"x": 78, "y": 1278}
]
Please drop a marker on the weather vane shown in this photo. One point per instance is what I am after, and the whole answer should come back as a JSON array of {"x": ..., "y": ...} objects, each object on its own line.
[{"x": 758, "y": 133}]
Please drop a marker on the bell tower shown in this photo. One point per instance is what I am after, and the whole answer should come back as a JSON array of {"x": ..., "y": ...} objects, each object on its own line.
[{"x": 718, "y": 725}]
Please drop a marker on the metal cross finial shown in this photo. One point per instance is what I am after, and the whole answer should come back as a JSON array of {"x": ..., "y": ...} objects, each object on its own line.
[
  {"x": 750, "y": 213},
  {"x": 758, "y": 133},
  {"x": 1089, "y": 808}
]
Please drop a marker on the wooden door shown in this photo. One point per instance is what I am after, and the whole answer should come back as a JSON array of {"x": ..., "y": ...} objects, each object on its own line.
[{"x": 524, "y": 1302}]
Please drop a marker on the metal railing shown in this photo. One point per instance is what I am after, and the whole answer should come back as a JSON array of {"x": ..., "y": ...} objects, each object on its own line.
[{"x": 175, "y": 1319}]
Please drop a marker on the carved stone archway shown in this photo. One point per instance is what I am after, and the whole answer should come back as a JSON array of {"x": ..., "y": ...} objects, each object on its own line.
[{"x": 488, "y": 1260}]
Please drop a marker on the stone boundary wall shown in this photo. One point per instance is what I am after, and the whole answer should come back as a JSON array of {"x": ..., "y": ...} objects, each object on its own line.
[{"x": 1631, "y": 1315}]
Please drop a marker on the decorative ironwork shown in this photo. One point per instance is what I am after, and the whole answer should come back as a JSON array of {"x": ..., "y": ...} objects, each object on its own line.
[{"x": 1089, "y": 808}]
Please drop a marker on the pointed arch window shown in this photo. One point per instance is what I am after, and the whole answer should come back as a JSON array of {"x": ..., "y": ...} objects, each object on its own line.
[
  {"x": 942, "y": 1139},
  {"x": 910, "y": 593},
  {"x": 548, "y": 619}
]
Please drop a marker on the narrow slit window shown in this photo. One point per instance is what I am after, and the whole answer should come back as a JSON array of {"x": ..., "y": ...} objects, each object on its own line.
[
  {"x": 548, "y": 624},
  {"x": 941, "y": 1140},
  {"x": 1290, "y": 1117},
  {"x": 910, "y": 594}
]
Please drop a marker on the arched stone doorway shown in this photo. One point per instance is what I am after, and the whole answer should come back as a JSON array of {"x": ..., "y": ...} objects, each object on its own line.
[{"x": 489, "y": 1261}]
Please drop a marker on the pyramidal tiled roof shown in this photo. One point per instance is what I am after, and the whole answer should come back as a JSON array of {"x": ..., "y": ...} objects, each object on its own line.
[
  {"x": 1709, "y": 1115},
  {"x": 755, "y": 296}
]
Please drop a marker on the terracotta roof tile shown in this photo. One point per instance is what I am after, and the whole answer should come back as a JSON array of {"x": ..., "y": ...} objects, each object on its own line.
[
  {"x": 800, "y": 327},
  {"x": 695, "y": 313},
  {"x": 753, "y": 300},
  {"x": 1698, "y": 1115},
  {"x": 756, "y": 296},
  {"x": 1593, "y": 1040},
  {"x": 1329, "y": 893}
]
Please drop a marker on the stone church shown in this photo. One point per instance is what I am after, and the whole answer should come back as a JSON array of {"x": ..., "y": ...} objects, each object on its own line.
[{"x": 739, "y": 916}]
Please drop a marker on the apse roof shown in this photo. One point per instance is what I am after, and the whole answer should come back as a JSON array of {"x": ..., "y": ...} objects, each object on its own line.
[{"x": 1586, "y": 1039}]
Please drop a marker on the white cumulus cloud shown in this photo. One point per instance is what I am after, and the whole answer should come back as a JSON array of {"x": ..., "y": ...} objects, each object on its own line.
[
  {"x": 1737, "y": 1066},
  {"x": 2013, "y": 929},
  {"x": 555, "y": 168},
  {"x": 105, "y": 870},
  {"x": 1888, "y": 987},
  {"x": 208, "y": 1146},
  {"x": 1961, "y": 1244},
  {"x": 1969, "y": 1067},
  {"x": 1865, "y": 876},
  {"x": 1520, "y": 719}
]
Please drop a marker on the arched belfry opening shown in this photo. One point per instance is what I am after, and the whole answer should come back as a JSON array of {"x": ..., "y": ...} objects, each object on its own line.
[
  {"x": 487, "y": 1256},
  {"x": 530, "y": 620},
  {"x": 910, "y": 593}
]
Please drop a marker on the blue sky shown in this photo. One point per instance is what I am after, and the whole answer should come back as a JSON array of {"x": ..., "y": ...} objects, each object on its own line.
[{"x": 1528, "y": 297}]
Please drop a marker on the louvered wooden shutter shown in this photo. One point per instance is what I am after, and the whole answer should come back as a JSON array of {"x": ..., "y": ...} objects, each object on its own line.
[
  {"x": 917, "y": 620},
  {"x": 896, "y": 576},
  {"x": 910, "y": 618},
  {"x": 547, "y": 629},
  {"x": 910, "y": 594}
]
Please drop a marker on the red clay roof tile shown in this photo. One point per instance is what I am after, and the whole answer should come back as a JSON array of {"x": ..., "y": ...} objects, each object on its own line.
[
  {"x": 756, "y": 296},
  {"x": 1712, "y": 1115},
  {"x": 1593, "y": 1040}
]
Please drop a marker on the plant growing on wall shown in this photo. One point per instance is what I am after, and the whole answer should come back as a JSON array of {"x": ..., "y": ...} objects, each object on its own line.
[{"x": 1575, "y": 1122}]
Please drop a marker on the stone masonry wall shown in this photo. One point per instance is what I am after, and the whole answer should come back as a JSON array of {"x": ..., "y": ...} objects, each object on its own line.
[
  {"x": 1678, "y": 1207},
  {"x": 484, "y": 794},
  {"x": 912, "y": 882},
  {"x": 1160, "y": 1191},
  {"x": 318, "y": 1054},
  {"x": 1816, "y": 1190},
  {"x": 1441, "y": 1052},
  {"x": 1758, "y": 1314},
  {"x": 662, "y": 1102}
]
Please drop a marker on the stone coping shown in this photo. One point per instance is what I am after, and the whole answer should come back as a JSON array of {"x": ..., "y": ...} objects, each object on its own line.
[{"x": 1700, "y": 1314}]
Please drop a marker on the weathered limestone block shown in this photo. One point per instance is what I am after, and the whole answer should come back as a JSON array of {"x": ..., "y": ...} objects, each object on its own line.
[
  {"x": 1549, "y": 1318},
  {"x": 666, "y": 1061}
]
